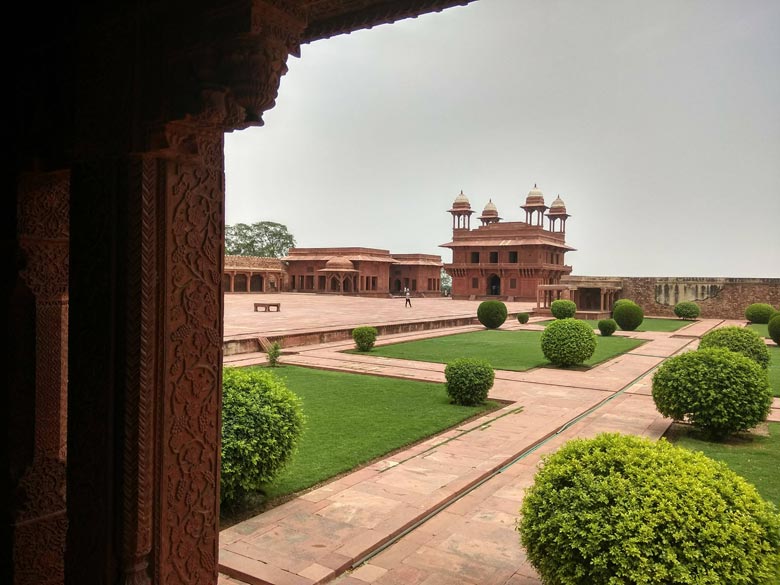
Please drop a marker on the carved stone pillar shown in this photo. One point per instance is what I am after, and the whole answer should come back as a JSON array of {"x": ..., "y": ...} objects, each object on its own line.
[
  {"x": 40, "y": 520},
  {"x": 146, "y": 294}
]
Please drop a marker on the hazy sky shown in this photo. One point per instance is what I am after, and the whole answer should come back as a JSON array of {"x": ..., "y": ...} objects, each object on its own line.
[{"x": 657, "y": 122}]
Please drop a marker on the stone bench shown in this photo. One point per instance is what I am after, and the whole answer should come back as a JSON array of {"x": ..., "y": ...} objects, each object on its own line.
[{"x": 267, "y": 306}]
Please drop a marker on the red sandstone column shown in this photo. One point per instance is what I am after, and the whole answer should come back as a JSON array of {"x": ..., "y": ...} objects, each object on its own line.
[{"x": 41, "y": 522}]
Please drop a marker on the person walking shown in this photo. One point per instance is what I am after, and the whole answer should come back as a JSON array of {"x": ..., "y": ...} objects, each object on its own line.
[{"x": 408, "y": 302}]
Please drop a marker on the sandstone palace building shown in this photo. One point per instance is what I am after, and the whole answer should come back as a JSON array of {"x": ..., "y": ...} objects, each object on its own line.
[
  {"x": 344, "y": 271},
  {"x": 507, "y": 259}
]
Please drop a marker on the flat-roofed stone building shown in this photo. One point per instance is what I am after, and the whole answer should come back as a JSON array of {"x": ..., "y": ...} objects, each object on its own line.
[
  {"x": 361, "y": 271},
  {"x": 507, "y": 259}
]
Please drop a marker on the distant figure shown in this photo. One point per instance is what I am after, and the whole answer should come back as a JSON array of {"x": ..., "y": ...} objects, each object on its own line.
[{"x": 408, "y": 302}]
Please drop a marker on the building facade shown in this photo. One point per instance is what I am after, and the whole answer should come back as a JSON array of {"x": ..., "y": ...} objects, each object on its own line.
[
  {"x": 361, "y": 271},
  {"x": 503, "y": 259},
  {"x": 253, "y": 274}
]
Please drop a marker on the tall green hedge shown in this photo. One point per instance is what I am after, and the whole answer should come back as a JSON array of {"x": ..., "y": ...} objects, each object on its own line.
[{"x": 623, "y": 509}]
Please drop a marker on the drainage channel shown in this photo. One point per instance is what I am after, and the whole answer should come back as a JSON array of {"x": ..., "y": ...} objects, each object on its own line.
[{"x": 519, "y": 457}]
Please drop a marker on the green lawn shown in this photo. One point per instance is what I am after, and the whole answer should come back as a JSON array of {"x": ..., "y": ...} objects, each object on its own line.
[
  {"x": 774, "y": 369},
  {"x": 505, "y": 350},
  {"x": 754, "y": 457},
  {"x": 761, "y": 328},
  {"x": 352, "y": 419},
  {"x": 647, "y": 325}
]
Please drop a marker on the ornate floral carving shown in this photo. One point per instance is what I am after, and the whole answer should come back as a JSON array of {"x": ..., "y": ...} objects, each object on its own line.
[
  {"x": 193, "y": 330},
  {"x": 41, "y": 524},
  {"x": 43, "y": 205}
]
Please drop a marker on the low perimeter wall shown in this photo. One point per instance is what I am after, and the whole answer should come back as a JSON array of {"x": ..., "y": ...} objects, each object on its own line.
[{"x": 724, "y": 298}]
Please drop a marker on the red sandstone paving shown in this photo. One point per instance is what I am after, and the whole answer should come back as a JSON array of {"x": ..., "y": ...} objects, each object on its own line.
[
  {"x": 317, "y": 536},
  {"x": 305, "y": 312}
]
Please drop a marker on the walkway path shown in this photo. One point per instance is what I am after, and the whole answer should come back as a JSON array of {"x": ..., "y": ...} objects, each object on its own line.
[{"x": 444, "y": 511}]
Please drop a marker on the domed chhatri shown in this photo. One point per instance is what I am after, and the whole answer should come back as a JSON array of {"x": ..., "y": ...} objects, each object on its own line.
[
  {"x": 461, "y": 202},
  {"x": 558, "y": 206},
  {"x": 339, "y": 263},
  {"x": 535, "y": 197},
  {"x": 534, "y": 206},
  {"x": 489, "y": 214},
  {"x": 461, "y": 212}
]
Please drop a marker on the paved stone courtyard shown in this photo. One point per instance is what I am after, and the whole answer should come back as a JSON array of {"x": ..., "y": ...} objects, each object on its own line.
[{"x": 443, "y": 511}]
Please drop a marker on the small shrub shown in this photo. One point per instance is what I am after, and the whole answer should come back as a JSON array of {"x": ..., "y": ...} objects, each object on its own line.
[
  {"x": 774, "y": 328},
  {"x": 523, "y": 318},
  {"x": 492, "y": 314},
  {"x": 607, "y": 327},
  {"x": 759, "y": 312},
  {"x": 628, "y": 315},
  {"x": 563, "y": 309},
  {"x": 261, "y": 424},
  {"x": 273, "y": 354},
  {"x": 624, "y": 509},
  {"x": 469, "y": 380},
  {"x": 687, "y": 310},
  {"x": 717, "y": 390},
  {"x": 364, "y": 337},
  {"x": 567, "y": 342},
  {"x": 739, "y": 339}
]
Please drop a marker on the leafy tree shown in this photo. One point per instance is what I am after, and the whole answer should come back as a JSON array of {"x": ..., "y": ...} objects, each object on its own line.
[
  {"x": 446, "y": 282},
  {"x": 264, "y": 238}
]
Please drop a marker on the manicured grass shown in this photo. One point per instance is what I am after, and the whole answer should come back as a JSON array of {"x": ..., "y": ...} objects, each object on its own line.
[
  {"x": 504, "y": 350},
  {"x": 754, "y": 457},
  {"x": 651, "y": 324},
  {"x": 761, "y": 328},
  {"x": 352, "y": 419},
  {"x": 774, "y": 369}
]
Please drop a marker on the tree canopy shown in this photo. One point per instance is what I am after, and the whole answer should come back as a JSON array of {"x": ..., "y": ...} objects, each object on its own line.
[{"x": 264, "y": 238}]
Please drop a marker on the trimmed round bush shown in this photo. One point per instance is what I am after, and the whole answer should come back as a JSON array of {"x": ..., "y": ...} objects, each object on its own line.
[
  {"x": 492, "y": 314},
  {"x": 774, "y": 328},
  {"x": 607, "y": 327},
  {"x": 619, "y": 302},
  {"x": 261, "y": 424},
  {"x": 759, "y": 312},
  {"x": 469, "y": 380},
  {"x": 739, "y": 339},
  {"x": 563, "y": 309},
  {"x": 716, "y": 390},
  {"x": 687, "y": 310},
  {"x": 624, "y": 509},
  {"x": 628, "y": 315},
  {"x": 523, "y": 318},
  {"x": 364, "y": 337},
  {"x": 567, "y": 342}
]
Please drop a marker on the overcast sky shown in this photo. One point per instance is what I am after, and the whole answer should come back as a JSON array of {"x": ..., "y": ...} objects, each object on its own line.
[{"x": 657, "y": 122}]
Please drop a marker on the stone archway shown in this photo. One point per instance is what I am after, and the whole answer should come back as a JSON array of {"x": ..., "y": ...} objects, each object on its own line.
[
  {"x": 157, "y": 89},
  {"x": 240, "y": 283}
]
